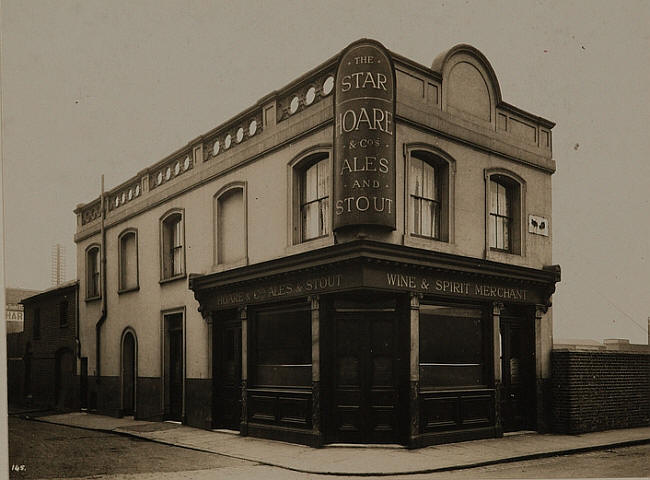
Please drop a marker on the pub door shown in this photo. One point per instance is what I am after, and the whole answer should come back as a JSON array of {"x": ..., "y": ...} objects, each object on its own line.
[
  {"x": 176, "y": 372},
  {"x": 128, "y": 374},
  {"x": 518, "y": 373},
  {"x": 227, "y": 378},
  {"x": 366, "y": 401}
]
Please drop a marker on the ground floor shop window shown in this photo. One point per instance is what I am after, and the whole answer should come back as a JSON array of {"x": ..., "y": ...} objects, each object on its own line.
[
  {"x": 452, "y": 351},
  {"x": 282, "y": 348}
]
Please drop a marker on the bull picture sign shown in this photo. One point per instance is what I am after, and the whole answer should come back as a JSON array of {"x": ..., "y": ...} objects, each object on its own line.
[{"x": 364, "y": 138}]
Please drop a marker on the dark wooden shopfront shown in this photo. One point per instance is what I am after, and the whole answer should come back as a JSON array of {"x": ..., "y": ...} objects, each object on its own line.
[
  {"x": 373, "y": 343},
  {"x": 365, "y": 366},
  {"x": 227, "y": 366}
]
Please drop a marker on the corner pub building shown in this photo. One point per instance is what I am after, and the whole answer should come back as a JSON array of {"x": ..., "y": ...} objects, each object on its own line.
[{"x": 362, "y": 256}]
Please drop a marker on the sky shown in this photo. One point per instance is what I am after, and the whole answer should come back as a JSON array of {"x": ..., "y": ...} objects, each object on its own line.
[{"x": 110, "y": 87}]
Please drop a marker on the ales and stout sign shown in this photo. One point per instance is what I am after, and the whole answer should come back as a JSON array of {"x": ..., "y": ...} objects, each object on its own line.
[{"x": 364, "y": 138}]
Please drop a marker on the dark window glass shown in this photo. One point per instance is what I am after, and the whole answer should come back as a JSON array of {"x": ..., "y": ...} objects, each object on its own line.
[
  {"x": 283, "y": 348},
  {"x": 451, "y": 346},
  {"x": 172, "y": 248},
  {"x": 36, "y": 327},
  {"x": 63, "y": 314},
  {"x": 92, "y": 269},
  {"x": 424, "y": 193},
  {"x": 314, "y": 200},
  {"x": 500, "y": 215}
]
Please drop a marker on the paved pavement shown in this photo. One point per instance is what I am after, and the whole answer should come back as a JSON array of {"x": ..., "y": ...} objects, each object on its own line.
[{"x": 358, "y": 460}]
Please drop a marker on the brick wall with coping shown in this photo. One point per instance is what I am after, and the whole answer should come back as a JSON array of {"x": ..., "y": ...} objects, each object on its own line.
[{"x": 599, "y": 389}]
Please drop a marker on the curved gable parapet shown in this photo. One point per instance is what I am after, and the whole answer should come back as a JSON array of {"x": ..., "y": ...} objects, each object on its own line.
[{"x": 469, "y": 84}]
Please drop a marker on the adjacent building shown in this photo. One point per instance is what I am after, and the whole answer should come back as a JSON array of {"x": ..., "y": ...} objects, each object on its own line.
[
  {"x": 364, "y": 255},
  {"x": 43, "y": 358},
  {"x": 14, "y": 313}
]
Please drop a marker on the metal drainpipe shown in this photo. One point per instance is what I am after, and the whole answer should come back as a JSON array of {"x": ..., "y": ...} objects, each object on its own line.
[{"x": 102, "y": 317}]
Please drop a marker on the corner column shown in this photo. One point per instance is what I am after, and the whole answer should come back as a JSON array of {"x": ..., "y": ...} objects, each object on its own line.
[
  {"x": 209, "y": 319},
  {"x": 542, "y": 356},
  {"x": 496, "y": 364},
  {"x": 414, "y": 370},
  {"x": 243, "y": 316},
  {"x": 314, "y": 301}
]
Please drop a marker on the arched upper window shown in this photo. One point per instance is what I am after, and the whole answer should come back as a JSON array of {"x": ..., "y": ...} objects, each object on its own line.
[
  {"x": 428, "y": 199},
  {"x": 128, "y": 260},
  {"x": 230, "y": 225},
  {"x": 93, "y": 272},
  {"x": 311, "y": 186},
  {"x": 172, "y": 245},
  {"x": 504, "y": 212}
]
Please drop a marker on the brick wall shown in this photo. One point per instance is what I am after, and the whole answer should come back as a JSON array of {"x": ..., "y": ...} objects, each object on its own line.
[
  {"x": 600, "y": 390},
  {"x": 52, "y": 348}
]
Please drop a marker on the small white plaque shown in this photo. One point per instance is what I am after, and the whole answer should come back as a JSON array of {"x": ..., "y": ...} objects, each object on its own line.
[{"x": 538, "y": 225}]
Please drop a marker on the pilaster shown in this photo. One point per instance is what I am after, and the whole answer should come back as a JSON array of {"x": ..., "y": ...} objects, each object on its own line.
[{"x": 243, "y": 316}]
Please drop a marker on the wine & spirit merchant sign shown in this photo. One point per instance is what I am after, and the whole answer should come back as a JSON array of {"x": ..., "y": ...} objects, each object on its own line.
[{"x": 364, "y": 137}]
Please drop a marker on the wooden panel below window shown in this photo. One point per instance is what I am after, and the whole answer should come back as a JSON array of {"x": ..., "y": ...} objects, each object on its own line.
[
  {"x": 454, "y": 410},
  {"x": 280, "y": 407}
]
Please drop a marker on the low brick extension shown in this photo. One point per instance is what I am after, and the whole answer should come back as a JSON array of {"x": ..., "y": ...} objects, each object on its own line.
[{"x": 600, "y": 389}]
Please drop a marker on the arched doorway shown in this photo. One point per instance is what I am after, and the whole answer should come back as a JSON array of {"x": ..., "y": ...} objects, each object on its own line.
[
  {"x": 64, "y": 381},
  {"x": 129, "y": 373}
]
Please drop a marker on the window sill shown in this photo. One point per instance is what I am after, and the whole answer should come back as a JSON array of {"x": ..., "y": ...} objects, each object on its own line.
[
  {"x": 307, "y": 245},
  {"x": 456, "y": 389},
  {"x": 127, "y": 290},
  {"x": 428, "y": 243},
  {"x": 504, "y": 256},
  {"x": 220, "y": 267},
  {"x": 172, "y": 279},
  {"x": 93, "y": 299}
]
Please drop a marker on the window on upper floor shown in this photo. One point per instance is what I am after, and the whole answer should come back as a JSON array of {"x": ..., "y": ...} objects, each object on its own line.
[
  {"x": 428, "y": 201},
  {"x": 36, "y": 325},
  {"x": 313, "y": 175},
  {"x": 172, "y": 246},
  {"x": 230, "y": 225},
  {"x": 128, "y": 260},
  {"x": 93, "y": 272},
  {"x": 500, "y": 215},
  {"x": 63, "y": 314},
  {"x": 504, "y": 213}
]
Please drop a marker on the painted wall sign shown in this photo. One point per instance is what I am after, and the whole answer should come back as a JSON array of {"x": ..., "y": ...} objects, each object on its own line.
[
  {"x": 295, "y": 287},
  {"x": 364, "y": 138},
  {"x": 445, "y": 286},
  {"x": 14, "y": 313},
  {"x": 357, "y": 276}
]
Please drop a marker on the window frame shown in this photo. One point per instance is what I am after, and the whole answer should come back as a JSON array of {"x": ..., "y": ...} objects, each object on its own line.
[
  {"x": 36, "y": 324},
  {"x": 445, "y": 174},
  {"x": 257, "y": 315},
  {"x": 486, "y": 340},
  {"x": 218, "y": 264},
  {"x": 122, "y": 288},
  {"x": 165, "y": 221},
  {"x": 63, "y": 308},
  {"x": 516, "y": 194},
  {"x": 92, "y": 294},
  {"x": 297, "y": 171}
]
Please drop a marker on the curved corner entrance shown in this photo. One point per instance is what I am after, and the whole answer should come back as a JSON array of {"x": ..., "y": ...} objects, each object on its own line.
[{"x": 367, "y": 402}]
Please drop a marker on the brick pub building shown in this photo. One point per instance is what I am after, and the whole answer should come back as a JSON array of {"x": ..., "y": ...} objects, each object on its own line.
[{"x": 362, "y": 256}]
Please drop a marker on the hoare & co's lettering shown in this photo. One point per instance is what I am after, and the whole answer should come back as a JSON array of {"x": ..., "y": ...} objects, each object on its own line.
[
  {"x": 363, "y": 203},
  {"x": 285, "y": 289},
  {"x": 368, "y": 163},
  {"x": 358, "y": 80},
  {"x": 373, "y": 119}
]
